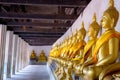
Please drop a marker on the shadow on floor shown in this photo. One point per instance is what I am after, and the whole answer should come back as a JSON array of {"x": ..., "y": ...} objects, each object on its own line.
[{"x": 32, "y": 72}]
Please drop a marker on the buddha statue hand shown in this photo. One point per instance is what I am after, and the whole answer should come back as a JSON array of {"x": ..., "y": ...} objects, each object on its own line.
[{"x": 81, "y": 69}]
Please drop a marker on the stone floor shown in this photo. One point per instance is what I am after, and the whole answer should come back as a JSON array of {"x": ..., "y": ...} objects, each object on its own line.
[{"x": 32, "y": 72}]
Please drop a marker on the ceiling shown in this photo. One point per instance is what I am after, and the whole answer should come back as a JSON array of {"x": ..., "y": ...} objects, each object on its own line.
[{"x": 40, "y": 22}]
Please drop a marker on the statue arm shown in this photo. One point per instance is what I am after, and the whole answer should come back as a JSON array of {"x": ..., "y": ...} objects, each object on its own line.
[
  {"x": 88, "y": 62},
  {"x": 113, "y": 52},
  {"x": 81, "y": 53}
]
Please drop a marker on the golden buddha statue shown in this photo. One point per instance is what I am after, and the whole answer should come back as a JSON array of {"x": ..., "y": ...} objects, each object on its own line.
[
  {"x": 33, "y": 55},
  {"x": 42, "y": 57},
  {"x": 63, "y": 60},
  {"x": 67, "y": 47},
  {"x": 63, "y": 48},
  {"x": 107, "y": 46},
  {"x": 78, "y": 46},
  {"x": 57, "y": 70},
  {"x": 73, "y": 42},
  {"x": 62, "y": 75},
  {"x": 69, "y": 69},
  {"x": 77, "y": 43},
  {"x": 52, "y": 51},
  {"x": 89, "y": 47}
]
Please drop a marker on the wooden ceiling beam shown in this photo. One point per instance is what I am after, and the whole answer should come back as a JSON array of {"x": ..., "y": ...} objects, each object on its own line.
[
  {"x": 26, "y": 30},
  {"x": 15, "y": 24},
  {"x": 40, "y": 41},
  {"x": 40, "y": 44},
  {"x": 36, "y": 16},
  {"x": 73, "y": 3},
  {"x": 40, "y": 37},
  {"x": 38, "y": 33}
]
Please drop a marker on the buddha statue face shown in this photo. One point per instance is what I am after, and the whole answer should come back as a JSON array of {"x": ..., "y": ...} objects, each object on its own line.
[
  {"x": 33, "y": 51},
  {"x": 69, "y": 41},
  {"x": 74, "y": 38},
  {"x": 93, "y": 28},
  {"x": 91, "y": 31},
  {"x": 110, "y": 16},
  {"x": 82, "y": 32}
]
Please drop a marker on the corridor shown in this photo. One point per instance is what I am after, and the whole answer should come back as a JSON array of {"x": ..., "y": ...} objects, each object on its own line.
[{"x": 32, "y": 72}]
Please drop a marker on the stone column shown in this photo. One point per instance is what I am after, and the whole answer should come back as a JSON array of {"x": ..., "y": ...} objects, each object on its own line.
[
  {"x": 15, "y": 41},
  {"x": 20, "y": 55},
  {"x": 23, "y": 55},
  {"x": 17, "y": 55},
  {"x": 9, "y": 40},
  {"x": 28, "y": 54},
  {"x": 2, "y": 49}
]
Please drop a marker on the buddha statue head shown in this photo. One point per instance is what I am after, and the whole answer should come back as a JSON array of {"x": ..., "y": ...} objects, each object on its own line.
[
  {"x": 33, "y": 51},
  {"x": 93, "y": 28},
  {"x": 74, "y": 39},
  {"x": 82, "y": 32},
  {"x": 70, "y": 40},
  {"x": 110, "y": 16}
]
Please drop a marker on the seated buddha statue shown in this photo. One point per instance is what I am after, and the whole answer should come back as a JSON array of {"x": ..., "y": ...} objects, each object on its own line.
[
  {"x": 62, "y": 75},
  {"x": 73, "y": 42},
  {"x": 67, "y": 47},
  {"x": 33, "y": 55},
  {"x": 79, "y": 43},
  {"x": 67, "y": 69},
  {"x": 42, "y": 57},
  {"x": 93, "y": 31},
  {"x": 107, "y": 46},
  {"x": 51, "y": 55},
  {"x": 59, "y": 58},
  {"x": 64, "y": 60},
  {"x": 63, "y": 48}
]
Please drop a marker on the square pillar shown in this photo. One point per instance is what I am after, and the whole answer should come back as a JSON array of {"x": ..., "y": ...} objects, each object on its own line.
[
  {"x": 8, "y": 52},
  {"x": 2, "y": 49},
  {"x": 14, "y": 53},
  {"x": 17, "y": 55}
]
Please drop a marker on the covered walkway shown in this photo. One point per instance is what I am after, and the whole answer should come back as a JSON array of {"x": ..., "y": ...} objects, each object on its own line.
[{"x": 32, "y": 72}]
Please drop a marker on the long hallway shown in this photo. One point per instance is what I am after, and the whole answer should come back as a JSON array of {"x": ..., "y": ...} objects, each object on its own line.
[{"x": 32, "y": 72}]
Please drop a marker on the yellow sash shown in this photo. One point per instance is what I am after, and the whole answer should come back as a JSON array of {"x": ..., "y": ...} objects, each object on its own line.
[
  {"x": 77, "y": 47},
  {"x": 105, "y": 37},
  {"x": 87, "y": 48}
]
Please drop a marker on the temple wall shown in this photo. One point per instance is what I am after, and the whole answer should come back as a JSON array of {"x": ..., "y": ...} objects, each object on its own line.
[
  {"x": 95, "y": 6},
  {"x": 38, "y": 49}
]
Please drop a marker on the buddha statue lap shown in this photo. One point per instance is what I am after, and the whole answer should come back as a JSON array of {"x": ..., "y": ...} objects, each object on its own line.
[{"x": 107, "y": 46}]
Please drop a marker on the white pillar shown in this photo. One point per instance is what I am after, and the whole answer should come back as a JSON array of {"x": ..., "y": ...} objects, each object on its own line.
[
  {"x": 21, "y": 52},
  {"x": 28, "y": 54},
  {"x": 9, "y": 40},
  {"x": 15, "y": 41},
  {"x": 2, "y": 49},
  {"x": 17, "y": 55}
]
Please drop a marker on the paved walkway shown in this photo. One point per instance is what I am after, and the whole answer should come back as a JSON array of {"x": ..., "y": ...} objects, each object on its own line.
[{"x": 32, "y": 72}]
